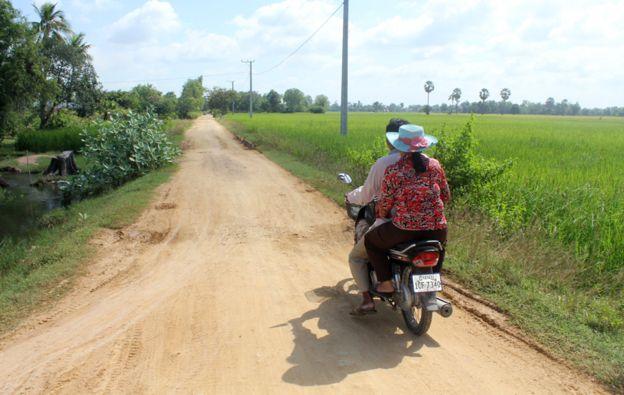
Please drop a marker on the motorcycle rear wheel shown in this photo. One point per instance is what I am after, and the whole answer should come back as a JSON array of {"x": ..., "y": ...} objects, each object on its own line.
[{"x": 417, "y": 319}]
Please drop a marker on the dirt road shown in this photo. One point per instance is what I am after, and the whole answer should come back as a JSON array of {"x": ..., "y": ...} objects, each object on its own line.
[{"x": 235, "y": 281}]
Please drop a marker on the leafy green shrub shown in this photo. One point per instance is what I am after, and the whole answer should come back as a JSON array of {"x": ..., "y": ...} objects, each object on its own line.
[
  {"x": 127, "y": 147},
  {"x": 12, "y": 122},
  {"x": 466, "y": 171},
  {"x": 65, "y": 118},
  {"x": 317, "y": 109},
  {"x": 194, "y": 114}
]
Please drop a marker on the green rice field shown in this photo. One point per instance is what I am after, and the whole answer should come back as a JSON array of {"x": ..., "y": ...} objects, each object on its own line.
[{"x": 548, "y": 247}]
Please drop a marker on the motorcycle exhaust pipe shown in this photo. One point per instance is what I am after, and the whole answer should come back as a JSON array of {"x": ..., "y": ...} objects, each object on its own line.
[{"x": 445, "y": 309}]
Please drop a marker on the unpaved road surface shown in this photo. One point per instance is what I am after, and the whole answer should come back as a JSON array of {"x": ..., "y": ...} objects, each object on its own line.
[{"x": 236, "y": 281}]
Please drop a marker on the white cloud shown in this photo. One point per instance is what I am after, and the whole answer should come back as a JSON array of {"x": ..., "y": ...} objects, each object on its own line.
[
  {"x": 278, "y": 28},
  {"x": 146, "y": 23},
  {"x": 535, "y": 48}
]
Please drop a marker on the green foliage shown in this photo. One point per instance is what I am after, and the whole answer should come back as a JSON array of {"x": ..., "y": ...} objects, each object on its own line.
[
  {"x": 219, "y": 101},
  {"x": 123, "y": 99},
  {"x": 295, "y": 100},
  {"x": 466, "y": 170},
  {"x": 65, "y": 118},
  {"x": 62, "y": 139},
  {"x": 69, "y": 76},
  {"x": 166, "y": 106},
  {"x": 321, "y": 101},
  {"x": 273, "y": 102},
  {"x": 126, "y": 148},
  {"x": 20, "y": 68},
  {"x": 148, "y": 97},
  {"x": 317, "y": 109},
  {"x": 192, "y": 98}
]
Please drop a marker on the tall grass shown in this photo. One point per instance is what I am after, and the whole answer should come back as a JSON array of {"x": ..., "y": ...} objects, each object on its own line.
[{"x": 61, "y": 139}]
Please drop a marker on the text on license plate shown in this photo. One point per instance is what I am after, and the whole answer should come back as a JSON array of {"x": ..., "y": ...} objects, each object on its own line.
[{"x": 427, "y": 282}]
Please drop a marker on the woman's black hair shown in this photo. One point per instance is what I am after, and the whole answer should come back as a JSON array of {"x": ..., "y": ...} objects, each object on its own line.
[
  {"x": 395, "y": 123},
  {"x": 419, "y": 162}
]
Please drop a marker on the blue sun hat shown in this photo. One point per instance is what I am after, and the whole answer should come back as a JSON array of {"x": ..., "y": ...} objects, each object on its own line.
[{"x": 411, "y": 138}]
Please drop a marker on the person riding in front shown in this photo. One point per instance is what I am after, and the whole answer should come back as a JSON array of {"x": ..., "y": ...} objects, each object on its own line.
[
  {"x": 413, "y": 192},
  {"x": 361, "y": 196}
]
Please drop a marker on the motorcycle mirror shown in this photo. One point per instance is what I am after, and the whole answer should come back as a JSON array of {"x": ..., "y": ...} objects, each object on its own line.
[{"x": 345, "y": 178}]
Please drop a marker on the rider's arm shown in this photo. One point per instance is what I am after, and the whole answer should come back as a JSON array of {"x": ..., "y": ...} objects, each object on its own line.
[{"x": 363, "y": 195}]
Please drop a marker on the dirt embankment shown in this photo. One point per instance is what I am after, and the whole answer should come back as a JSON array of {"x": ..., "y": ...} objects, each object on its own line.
[{"x": 236, "y": 281}]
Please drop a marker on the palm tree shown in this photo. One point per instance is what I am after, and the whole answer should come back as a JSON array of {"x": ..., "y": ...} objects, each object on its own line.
[
  {"x": 52, "y": 22},
  {"x": 455, "y": 96},
  {"x": 429, "y": 87},
  {"x": 504, "y": 94},
  {"x": 483, "y": 94},
  {"x": 79, "y": 46}
]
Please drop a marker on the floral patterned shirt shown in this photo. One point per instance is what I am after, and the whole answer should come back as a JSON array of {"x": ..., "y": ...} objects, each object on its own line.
[{"x": 416, "y": 201}]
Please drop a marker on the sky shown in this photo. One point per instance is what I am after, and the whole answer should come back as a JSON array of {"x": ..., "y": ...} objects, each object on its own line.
[{"x": 566, "y": 49}]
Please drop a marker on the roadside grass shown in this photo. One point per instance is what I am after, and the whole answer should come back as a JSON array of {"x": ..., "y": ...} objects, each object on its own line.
[
  {"x": 42, "y": 267},
  {"x": 530, "y": 276}
]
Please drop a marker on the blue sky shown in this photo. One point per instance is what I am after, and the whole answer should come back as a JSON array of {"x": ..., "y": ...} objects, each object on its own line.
[{"x": 557, "y": 48}]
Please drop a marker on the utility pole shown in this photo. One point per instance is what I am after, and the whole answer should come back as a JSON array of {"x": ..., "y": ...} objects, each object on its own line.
[
  {"x": 344, "y": 97},
  {"x": 250, "y": 85},
  {"x": 233, "y": 98}
]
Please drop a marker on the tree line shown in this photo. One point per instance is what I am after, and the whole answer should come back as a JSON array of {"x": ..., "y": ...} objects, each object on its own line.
[{"x": 221, "y": 101}]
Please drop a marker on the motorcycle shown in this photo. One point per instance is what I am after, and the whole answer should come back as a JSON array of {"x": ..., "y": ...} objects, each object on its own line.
[{"x": 415, "y": 273}]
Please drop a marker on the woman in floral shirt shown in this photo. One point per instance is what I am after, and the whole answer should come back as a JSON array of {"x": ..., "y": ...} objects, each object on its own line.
[{"x": 413, "y": 193}]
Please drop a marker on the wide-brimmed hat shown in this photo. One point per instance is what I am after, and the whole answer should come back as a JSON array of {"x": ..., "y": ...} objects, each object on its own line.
[{"x": 411, "y": 138}]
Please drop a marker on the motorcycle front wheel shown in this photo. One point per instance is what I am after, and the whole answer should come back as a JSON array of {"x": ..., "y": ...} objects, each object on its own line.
[{"x": 417, "y": 318}]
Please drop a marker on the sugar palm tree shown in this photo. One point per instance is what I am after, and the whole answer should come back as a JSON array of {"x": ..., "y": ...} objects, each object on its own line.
[
  {"x": 52, "y": 22},
  {"x": 455, "y": 96},
  {"x": 504, "y": 94},
  {"x": 483, "y": 95},
  {"x": 429, "y": 87}
]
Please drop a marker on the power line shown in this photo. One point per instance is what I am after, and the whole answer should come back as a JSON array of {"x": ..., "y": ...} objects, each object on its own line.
[
  {"x": 303, "y": 43},
  {"x": 291, "y": 54}
]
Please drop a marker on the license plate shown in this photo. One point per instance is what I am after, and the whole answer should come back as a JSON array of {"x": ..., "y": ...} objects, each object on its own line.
[{"x": 427, "y": 282}]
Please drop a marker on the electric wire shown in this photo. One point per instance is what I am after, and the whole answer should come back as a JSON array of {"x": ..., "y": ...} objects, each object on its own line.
[
  {"x": 303, "y": 43},
  {"x": 278, "y": 64}
]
